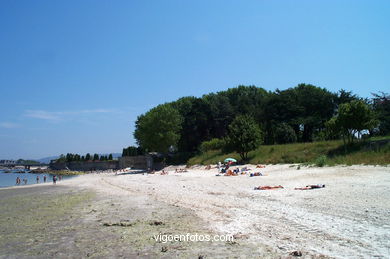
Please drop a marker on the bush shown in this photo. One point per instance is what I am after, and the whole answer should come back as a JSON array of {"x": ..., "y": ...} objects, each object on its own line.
[
  {"x": 320, "y": 161},
  {"x": 214, "y": 144},
  {"x": 284, "y": 133}
]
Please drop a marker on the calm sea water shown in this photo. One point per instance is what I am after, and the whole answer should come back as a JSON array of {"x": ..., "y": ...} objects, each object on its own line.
[{"x": 9, "y": 179}]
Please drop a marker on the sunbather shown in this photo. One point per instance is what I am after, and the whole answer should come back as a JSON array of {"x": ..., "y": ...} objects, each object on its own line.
[
  {"x": 255, "y": 174},
  {"x": 230, "y": 173},
  {"x": 267, "y": 187},
  {"x": 310, "y": 187}
]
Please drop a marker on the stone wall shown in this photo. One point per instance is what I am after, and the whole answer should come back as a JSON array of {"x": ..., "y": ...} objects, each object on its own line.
[{"x": 137, "y": 162}]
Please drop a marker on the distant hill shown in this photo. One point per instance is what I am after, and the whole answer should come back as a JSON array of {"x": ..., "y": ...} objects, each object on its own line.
[{"x": 46, "y": 160}]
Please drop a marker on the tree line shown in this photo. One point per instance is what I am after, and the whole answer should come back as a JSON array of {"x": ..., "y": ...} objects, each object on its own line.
[
  {"x": 133, "y": 151},
  {"x": 242, "y": 118},
  {"x": 69, "y": 157}
]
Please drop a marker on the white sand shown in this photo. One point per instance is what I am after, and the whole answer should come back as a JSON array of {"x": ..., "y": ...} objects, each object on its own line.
[{"x": 350, "y": 218}]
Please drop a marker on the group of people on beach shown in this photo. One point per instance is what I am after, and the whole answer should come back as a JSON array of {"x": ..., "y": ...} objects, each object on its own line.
[{"x": 18, "y": 180}]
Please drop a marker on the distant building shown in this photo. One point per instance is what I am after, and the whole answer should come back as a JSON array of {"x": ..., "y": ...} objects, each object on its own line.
[{"x": 7, "y": 162}]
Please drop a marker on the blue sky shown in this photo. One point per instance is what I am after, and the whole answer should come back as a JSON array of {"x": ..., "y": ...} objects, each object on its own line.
[{"x": 74, "y": 75}]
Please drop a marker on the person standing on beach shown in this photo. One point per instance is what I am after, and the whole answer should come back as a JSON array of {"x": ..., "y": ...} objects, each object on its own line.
[
  {"x": 17, "y": 180},
  {"x": 54, "y": 179},
  {"x": 44, "y": 178},
  {"x": 37, "y": 178}
]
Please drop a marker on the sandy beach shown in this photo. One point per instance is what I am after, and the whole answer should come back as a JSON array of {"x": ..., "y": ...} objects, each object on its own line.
[{"x": 346, "y": 219}]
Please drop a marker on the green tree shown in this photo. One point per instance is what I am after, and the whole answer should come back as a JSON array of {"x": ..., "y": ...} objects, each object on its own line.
[
  {"x": 305, "y": 108},
  {"x": 353, "y": 118},
  {"x": 133, "y": 151},
  {"x": 195, "y": 126},
  {"x": 381, "y": 105},
  {"x": 159, "y": 128},
  {"x": 62, "y": 158},
  {"x": 284, "y": 133},
  {"x": 213, "y": 144},
  {"x": 88, "y": 157},
  {"x": 221, "y": 114},
  {"x": 344, "y": 96},
  {"x": 69, "y": 157},
  {"x": 317, "y": 105},
  {"x": 244, "y": 135},
  {"x": 332, "y": 129},
  {"x": 95, "y": 157},
  {"x": 110, "y": 157},
  {"x": 281, "y": 106}
]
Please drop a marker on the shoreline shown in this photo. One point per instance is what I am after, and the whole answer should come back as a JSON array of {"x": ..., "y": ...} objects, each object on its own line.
[{"x": 33, "y": 182}]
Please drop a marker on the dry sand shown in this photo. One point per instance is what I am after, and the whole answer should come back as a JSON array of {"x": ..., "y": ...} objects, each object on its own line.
[{"x": 347, "y": 219}]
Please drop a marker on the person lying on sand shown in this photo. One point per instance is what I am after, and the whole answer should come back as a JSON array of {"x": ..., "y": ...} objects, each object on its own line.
[
  {"x": 180, "y": 170},
  {"x": 311, "y": 187},
  {"x": 260, "y": 166},
  {"x": 255, "y": 174},
  {"x": 267, "y": 187},
  {"x": 230, "y": 173}
]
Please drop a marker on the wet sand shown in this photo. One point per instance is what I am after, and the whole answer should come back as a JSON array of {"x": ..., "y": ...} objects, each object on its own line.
[{"x": 92, "y": 218}]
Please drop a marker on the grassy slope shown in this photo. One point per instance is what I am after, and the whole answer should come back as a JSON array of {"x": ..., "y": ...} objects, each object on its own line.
[{"x": 369, "y": 152}]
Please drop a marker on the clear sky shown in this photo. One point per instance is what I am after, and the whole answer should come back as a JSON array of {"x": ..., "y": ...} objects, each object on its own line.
[{"x": 74, "y": 75}]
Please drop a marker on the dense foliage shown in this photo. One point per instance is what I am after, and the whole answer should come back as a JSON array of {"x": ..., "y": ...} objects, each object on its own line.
[
  {"x": 30, "y": 162},
  {"x": 381, "y": 104},
  {"x": 284, "y": 133},
  {"x": 69, "y": 157},
  {"x": 300, "y": 114},
  {"x": 352, "y": 119},
  {"x": 212, "y": 144},
  {"x": 159, "y": 128},
  {"x": 132, "y": 151}
]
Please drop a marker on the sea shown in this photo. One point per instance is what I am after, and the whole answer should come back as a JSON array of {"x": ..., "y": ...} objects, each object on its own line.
[{"x": 8, "y": 177}]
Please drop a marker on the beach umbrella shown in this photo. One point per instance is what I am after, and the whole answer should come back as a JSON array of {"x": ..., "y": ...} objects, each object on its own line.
[{"x": 227, "y": 160}]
